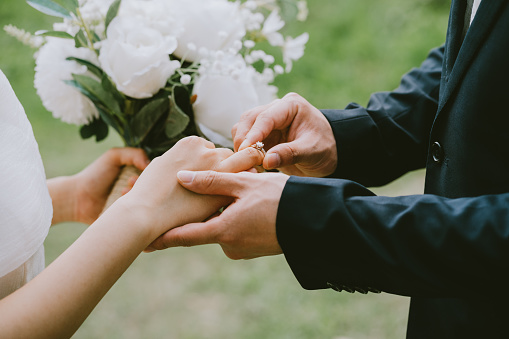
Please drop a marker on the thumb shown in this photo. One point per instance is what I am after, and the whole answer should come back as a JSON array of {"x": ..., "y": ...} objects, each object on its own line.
[
  {"x": 285, "y": 154},
  {"x": 211, "y": 182}
]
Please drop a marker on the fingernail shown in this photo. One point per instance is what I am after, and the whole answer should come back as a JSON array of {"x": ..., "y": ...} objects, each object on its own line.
[
  {"x": 273, "y": 160},
  {"x": 186, "y": 177}
]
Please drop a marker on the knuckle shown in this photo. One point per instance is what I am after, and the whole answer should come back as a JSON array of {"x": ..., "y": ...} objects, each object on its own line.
[
  {"x": 178, "y": 239},
  {"x": 291, "y": 151},
  {"x": 209, "y": 179}
]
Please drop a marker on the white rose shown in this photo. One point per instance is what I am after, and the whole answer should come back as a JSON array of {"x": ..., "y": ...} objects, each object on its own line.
[
  {"x": 157, "y": 14},
  {"x": 224, "y": 91},
  {"x": 208, "y": 25},
  {"x": 136, "y": 57},
  {"x": 52, "y": 68}
]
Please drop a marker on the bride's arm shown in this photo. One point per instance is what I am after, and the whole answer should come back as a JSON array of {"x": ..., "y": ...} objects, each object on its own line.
[
  {"x": 81, "y": 197},
  {"x": 57, "y": 301}
]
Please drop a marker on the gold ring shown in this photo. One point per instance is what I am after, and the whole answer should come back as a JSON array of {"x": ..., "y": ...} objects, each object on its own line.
[{"x": 259, "y": 146}]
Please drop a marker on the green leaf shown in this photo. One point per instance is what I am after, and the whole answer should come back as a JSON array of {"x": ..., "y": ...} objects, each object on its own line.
[
  {"x": 177, "y": 120},
  {"x": 97, "y": 128},
  {"x": 56, "y": 34},
  {"x": 80, "y": 39},
  {"x": 105, "y": 113},
  {"x": 90, "y": 66},
  {"x": 70, "y": 5},
  {"x": 50, "y": 8},
  {"x": 110, "y": 87},
  {"x": 148, "y": 116},
  {"x": 95, "y": 88},
  {"x": 112, "y": 13}
]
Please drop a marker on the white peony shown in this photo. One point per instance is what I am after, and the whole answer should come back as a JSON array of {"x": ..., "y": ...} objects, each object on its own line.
[
  {"x": 157, "y": 14},
  {"x": 52, "y": 68},
  {"x": 211, "y": 25},
  {"x": 225, "y": 90},
  {"x": 136, "y": 57}
]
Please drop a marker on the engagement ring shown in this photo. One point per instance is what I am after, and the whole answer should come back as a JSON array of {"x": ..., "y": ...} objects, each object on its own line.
[{"x": 259, "y": 146}]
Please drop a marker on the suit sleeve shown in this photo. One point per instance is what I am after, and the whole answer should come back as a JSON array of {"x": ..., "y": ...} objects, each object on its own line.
[
  {"x": 388, "y": 138},
  {"x": 336, "y": 233}
]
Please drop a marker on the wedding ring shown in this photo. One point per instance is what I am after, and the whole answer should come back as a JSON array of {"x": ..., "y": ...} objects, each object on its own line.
[{"x": 259, "y": 146}]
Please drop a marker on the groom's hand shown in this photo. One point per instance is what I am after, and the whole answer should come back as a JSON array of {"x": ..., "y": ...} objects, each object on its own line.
[
  {"x": 246, "y": 228},
  {"x": 298, "y": 137}
]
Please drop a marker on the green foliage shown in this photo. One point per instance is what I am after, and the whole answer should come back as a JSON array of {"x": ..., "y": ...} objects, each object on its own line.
[
  {"x": 112, "y": 12},
  {"x": 56, "y": 34},
  {"x": 97, "y": 128},
  {"x": 50, "y": 8},
  {"x": 80, "y": 39}
]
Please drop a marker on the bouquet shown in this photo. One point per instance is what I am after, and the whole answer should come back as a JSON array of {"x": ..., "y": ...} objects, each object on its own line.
[{"x": 156, "y": 71}]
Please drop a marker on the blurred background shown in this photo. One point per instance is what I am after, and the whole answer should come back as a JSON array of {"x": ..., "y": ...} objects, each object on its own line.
[{"x": 356, "y": 47}]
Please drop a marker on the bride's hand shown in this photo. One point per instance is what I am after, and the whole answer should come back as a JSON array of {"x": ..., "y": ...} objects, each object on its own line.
[
  {"x": 81, "y": 197},
  {"x": 163, "y": 204}
]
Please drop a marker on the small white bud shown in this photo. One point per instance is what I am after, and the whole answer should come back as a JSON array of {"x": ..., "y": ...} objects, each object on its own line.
[
  {"x": 249, "y": 43},
  {"x": 185, "y": 79}
]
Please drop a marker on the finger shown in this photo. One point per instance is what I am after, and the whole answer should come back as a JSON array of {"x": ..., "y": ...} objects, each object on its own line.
[
  {"x": 244, "y": 125},
  {"x": 277, "y": 116},
  {"x": 286, "y": 154},
  {"x": 194, "y": 234},
  {"x": 241, "y": 161},
  {"x": 212, "y": 183},
  {"x": 129, "y": 156}
]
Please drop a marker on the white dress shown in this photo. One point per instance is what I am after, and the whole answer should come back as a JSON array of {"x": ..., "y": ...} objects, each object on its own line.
[{"x": 25, "y": 205}]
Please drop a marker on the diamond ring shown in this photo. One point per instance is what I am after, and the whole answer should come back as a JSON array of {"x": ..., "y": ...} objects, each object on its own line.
[{"x": 259, "y": 146}]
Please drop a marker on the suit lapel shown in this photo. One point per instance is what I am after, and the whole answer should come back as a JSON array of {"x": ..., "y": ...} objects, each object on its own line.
[{"x": 459, "y": 54}]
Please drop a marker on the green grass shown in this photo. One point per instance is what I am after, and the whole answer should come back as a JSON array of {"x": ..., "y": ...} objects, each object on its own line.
[{"x": 356, "y": 47}]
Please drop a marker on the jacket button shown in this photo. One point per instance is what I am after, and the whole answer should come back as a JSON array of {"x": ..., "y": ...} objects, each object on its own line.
[{"x": 437, "y": 152}]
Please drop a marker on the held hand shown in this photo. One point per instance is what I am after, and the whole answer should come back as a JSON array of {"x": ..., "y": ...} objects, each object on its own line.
[
  {"x": 93, "y": 184},
  {"x": 298, "y": 137},
  {"x": 163, "y": 204},
  {"x": 246, "y": 228}
]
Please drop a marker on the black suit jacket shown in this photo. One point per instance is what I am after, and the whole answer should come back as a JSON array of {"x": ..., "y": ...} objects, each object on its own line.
[{"x": 449, "y": 248}]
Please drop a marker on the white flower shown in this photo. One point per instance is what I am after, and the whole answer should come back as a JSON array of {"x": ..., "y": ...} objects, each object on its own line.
[
  {"x": 185, "y": 79},
  {"x": 93, "y": 13},
  {"x": 208, "y": 24},
  {"x": 222, "y": 97},
  {"x": 302, "y": 6},
  {"x": 293, "y": 49},
  {"x": 24, "y": 37},
  {"x": 157, "y": 14},
  {"x": 136, "y": 57},
  {"x": 52, "y": 68},
  {"x": 271, "y": 29}
]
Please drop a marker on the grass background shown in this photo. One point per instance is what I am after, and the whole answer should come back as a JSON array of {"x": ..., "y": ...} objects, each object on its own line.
[{"x": 355, "y": 48}]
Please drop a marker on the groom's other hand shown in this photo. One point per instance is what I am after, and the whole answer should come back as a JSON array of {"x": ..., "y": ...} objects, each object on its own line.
[
  {"x": 298, "y": 138},
  {"x": 246, "y": 228}
]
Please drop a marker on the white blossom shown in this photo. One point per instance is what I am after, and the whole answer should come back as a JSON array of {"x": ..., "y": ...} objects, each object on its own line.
[
  {"x": 52, "y": 68},
  {"x": 222, "y": 96},
  {"x": 271, "y": 29},
  {"x": 303, "y": 12},
  {"x": 210, "y": 24},
  {"x": 136, "y": 57},
  {"x": 293, "y": 49}
]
